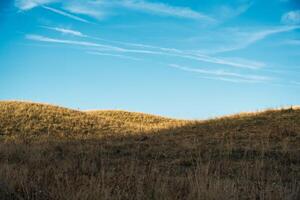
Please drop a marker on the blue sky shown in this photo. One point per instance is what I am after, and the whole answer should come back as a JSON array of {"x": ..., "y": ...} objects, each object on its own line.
[{"x": 184, "y": 59}]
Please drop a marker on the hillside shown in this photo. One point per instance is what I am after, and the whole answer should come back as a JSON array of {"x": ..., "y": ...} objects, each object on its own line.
[
  {"x": 34, "y": 119},
  {"x": 49, "y": 152}
]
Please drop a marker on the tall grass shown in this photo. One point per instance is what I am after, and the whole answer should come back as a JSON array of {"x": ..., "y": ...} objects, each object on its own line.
[{"x": 251, "y": 156}]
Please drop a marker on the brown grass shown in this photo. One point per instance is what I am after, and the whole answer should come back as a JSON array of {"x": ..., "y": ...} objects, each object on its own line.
[{"x": 48, "y": 152}]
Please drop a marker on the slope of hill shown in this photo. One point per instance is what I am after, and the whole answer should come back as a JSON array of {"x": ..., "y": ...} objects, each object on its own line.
[
  {"x": 34, "y": 119},
  {"x": 131, "y": 117},
  {"x": 123, "y": 155}
]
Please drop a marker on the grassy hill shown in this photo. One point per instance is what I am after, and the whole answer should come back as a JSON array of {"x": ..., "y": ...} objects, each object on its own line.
[
  {"x": 32, "y": 119},
  {"x": 49, "y": 152}
]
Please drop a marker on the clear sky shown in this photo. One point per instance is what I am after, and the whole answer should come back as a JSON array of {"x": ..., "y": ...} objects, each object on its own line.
[{"x": 178, "y": 58}]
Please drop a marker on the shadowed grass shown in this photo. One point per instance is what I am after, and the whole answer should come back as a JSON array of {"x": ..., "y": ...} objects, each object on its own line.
[{"x": 48, "y": 152}]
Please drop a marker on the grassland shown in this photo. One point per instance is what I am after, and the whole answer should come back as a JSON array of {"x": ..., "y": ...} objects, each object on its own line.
[{"x": 49, "y": 152}]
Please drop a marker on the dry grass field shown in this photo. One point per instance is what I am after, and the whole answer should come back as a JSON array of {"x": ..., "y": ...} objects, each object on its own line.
[{"x": 49, "y": 152}]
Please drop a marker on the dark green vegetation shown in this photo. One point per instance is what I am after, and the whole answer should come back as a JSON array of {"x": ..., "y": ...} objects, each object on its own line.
[{"x": 48, "y": 152}]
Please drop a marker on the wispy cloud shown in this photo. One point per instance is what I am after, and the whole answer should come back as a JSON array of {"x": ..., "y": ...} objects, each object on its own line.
[
  {"x": 260, "y": 35},
  {"x": 98, "y": 9},
  {"x": 87, "y": 8},
  {"x": 105, "y": 50},
  {"x": 230, "y": 11},
  {"x": 99, "y": 47},
  {"x": 29, "y": 4},
  {"x": 223, "y": 61},
  {"x": 223, "y": 74},
  {"x": 66, "y": 14},
  {"x": 232, "y": 80},
  {"x": 153, "y": 50},
  {"x": 165, "y": 9},
  {"x": 292, "y": 17},
  {"x": 249, "y": 38},
  {"x": 138, "y": 45},
  {"x": 69, "y": 42},
  {"x": 193, "y": 55},
  {"x": 113, "y": 55},
  {"x": 66, "y": 31}
]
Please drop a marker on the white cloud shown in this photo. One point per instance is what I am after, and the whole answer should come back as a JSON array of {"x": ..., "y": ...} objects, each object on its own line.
[
  {"x": 260, "y": 35},
  {"x": 223, "y": 74},
  {"x": 232, "y": 62},
  {"x": 232, "y": 80},
  {"x": 227, "y": 12},
  {"x": 70, "y": 42},
  {"x": 66, "y": 31},
  {"x": 63, "y": 13},
  {"x": 29, "y": 4},
  {"x": 99, "y": 9},
  {"x": 85, "y": 9},
  {"x": 100, "y": 47},
  {"x": 193, "y": 55},
  {"x": 242, "y": 63},
  {"x": 113, "y": 55},
  {"x": 246, "y": 39},
  {"x": 165, "y": 9},
  {"x": 292, "y": 17}
]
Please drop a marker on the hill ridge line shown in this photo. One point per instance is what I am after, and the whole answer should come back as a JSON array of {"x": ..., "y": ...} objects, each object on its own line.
[{"x": 94, "y": 111}]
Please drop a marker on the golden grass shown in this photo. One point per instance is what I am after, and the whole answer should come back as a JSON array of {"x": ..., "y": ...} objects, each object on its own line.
[
  {"x": 32, "y": 119},
  {"x": 49, "y": 152}
]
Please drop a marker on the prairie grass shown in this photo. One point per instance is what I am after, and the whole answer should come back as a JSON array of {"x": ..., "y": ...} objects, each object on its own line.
[{"x": 48, "y": 152}]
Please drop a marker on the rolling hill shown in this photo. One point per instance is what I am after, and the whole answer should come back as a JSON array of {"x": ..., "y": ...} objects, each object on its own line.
[
  {"x": 49, "y": 152},
  {"x": 35, "y": 119}
]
